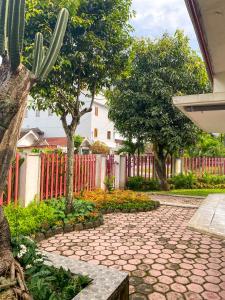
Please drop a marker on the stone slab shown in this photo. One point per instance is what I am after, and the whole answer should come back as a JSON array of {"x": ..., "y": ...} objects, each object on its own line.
[
  {"x": 210, "y": 217},
  {"x": 107, "y": 284}
]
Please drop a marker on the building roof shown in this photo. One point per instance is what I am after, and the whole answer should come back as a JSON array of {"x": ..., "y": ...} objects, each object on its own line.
[
  {"x": 208, "y": 18},
  {"x": 57, "y": 141}
]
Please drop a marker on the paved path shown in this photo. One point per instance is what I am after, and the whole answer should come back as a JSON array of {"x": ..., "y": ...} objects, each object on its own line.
[{"x": 166, "y": 261}]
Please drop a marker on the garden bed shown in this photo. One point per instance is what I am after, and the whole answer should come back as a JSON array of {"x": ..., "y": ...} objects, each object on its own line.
[{"x": 120, "y": 201}]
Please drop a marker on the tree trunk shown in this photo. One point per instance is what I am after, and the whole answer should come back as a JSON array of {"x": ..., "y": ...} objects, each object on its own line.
[
  {"x": 160, "y": 167},
  {"x": 14, "y": 89},
  {"x": 70, "y": 172}
]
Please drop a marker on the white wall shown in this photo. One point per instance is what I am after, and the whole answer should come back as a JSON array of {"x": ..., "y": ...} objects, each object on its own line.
[
  {"x": 103, "y": 125},
  {"x": 52, "y": 125}
]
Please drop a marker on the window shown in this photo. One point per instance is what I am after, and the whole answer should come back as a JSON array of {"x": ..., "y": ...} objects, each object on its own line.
[
  {"x": 109, "y": 135},
  {"x": 37, "y": 113},
  {"x": 95, "y": 133},
  {"x": 50, "y": 113},
  {"x": 96, "y": 111}
]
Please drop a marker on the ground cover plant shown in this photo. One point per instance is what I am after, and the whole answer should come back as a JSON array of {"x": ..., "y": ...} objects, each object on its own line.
[
  {"x": 118, "y": 200},
  {"x": 193, "y": 192},
  {"x": 40, "y": 217},
  {"x": 44, "y": 281}
]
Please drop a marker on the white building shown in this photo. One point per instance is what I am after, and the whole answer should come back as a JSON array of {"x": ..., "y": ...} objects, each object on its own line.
[{"x": 95, "y": 126}]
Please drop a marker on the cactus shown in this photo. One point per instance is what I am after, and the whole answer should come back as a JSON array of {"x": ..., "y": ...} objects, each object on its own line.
[{"x": 12, "y": 20}]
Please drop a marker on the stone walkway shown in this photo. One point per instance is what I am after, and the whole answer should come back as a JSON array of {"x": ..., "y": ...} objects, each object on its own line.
[{"x": 166, "y": 261}]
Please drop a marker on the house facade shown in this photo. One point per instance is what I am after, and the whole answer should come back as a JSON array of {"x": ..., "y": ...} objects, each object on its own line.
[{"x": 94, "y": 126}]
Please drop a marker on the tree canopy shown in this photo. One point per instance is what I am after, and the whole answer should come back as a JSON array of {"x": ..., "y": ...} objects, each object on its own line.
[{"x": 141, "y": 104}]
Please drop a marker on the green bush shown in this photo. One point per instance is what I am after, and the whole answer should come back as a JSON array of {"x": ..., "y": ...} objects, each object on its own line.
[
  {"x": 183, "y": 181},
  {"x": 191, "y": 181},
  {"x": 40, "y": 217},
  {"x": 26, "y": 221},
  {"x": 45, "y": 282},
  {"x": 139, "y": 183}
]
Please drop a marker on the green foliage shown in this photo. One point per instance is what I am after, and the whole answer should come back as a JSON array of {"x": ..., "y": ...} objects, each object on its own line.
[
  {"x": 26, "y": 221},
  {"x": 191, "y": 181},
  {"x": 130, "y": 206},
  {"x": 109, "y": 183},
  {"x": 139, "y": 183},
  {"x": 45, "y": 282},
  {"x": 99, "y": 148},
  {"x": 140, "y": 104},
  {"x": 207, "y": 146},
  {"x": 77, "y": 140},
  {"x": 120, "y": 200},
  {"x": 40, "y": 217},
  {"x": 195, "y": 192},
  {"x": 184, "y": 181},
  {"x": 131, "y": 147},
  {"x": 12, "y": 16}
]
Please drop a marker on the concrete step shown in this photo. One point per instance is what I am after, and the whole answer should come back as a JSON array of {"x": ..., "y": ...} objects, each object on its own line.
[{"x": 210, "y": 217}]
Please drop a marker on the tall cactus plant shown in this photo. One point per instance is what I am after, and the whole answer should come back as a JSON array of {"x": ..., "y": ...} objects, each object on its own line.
[{"x": 16, "y": 82}]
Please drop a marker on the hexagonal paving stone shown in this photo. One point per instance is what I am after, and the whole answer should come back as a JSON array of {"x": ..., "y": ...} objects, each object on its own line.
[{"x": 166, "y": 261}]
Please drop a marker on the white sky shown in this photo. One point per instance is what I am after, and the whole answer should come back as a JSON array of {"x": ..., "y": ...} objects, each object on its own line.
[{"x": 154, "y": 17}]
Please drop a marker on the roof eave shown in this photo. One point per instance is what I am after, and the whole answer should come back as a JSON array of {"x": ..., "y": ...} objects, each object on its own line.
[{"x": 195, "y": 15}]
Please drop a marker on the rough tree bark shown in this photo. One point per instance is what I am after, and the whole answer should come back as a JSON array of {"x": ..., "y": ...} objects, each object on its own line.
[
  {"x": 70, "y": 131},
  {"x": 14, "y": 90},
  {"x": 160, "y": 166}
]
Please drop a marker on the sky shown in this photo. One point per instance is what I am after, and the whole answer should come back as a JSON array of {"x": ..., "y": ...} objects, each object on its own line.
[{"x": 154, "y": 17}]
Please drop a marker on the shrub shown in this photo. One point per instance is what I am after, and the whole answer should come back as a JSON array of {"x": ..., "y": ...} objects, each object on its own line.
[
  {"x": 182, "y": 181},
  {"x": 139, "y": 183},
  {"x": 40, "y": 217},
  {"x": 120, "y": 200},
  {"x": 100, "y": 148},
  {"x": 45, "y": 282},
  {"x": 109, "y": 183}
]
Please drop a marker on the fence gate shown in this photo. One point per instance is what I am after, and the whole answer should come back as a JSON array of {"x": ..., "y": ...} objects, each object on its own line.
[{"x": 53, "y": 174}]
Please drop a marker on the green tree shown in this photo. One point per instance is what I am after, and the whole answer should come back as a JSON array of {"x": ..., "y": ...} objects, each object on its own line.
[
  {"x": 207, "y": 145},
  {"x": 16, "y": 82},
  {"x": 94, "y": 54},
  {"x": 141, "y": 103},
  {"x": 131, "y": 147},
  {"x": 77, "y": 141}
]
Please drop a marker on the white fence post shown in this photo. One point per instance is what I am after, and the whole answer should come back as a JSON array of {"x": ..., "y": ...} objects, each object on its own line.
[
  {"x": 122, "y": 175},
  {"x": 178, "y": 166},
  {"x": 29, "y": 185},
  {"x": 100, "y": 171},
  {"x": 117, "y": 171}
]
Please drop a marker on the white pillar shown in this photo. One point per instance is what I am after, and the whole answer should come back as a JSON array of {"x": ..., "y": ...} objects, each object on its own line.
[
  {"x": 122, "y": 176},
  {"x": 100, "y": 171},
  {"x": 29, "y": 185},
  {"x": 117, "y": 171},
  {"x": 178, "y": 166}
]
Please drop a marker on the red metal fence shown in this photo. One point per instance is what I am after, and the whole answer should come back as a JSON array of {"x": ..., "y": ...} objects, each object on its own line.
[
  {"x": 201, "y": 165},
  {"x": 12, "y": 187},
  {"x": 53, "y": 174},
  {"x": 144, "y": 166}
]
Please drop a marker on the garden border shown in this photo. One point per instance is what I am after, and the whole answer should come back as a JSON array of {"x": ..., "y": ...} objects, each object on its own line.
[{"x": 107, "y": 283}]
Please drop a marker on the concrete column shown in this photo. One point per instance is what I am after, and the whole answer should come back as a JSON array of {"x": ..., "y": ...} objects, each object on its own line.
[
  {"x": 100, "y": 171},
  {"x": 178, "y": 166},
  {"x": 122, "y": 175},
  {"x": 117, "y": 171},
  {"x": 29, "y": 185}
]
